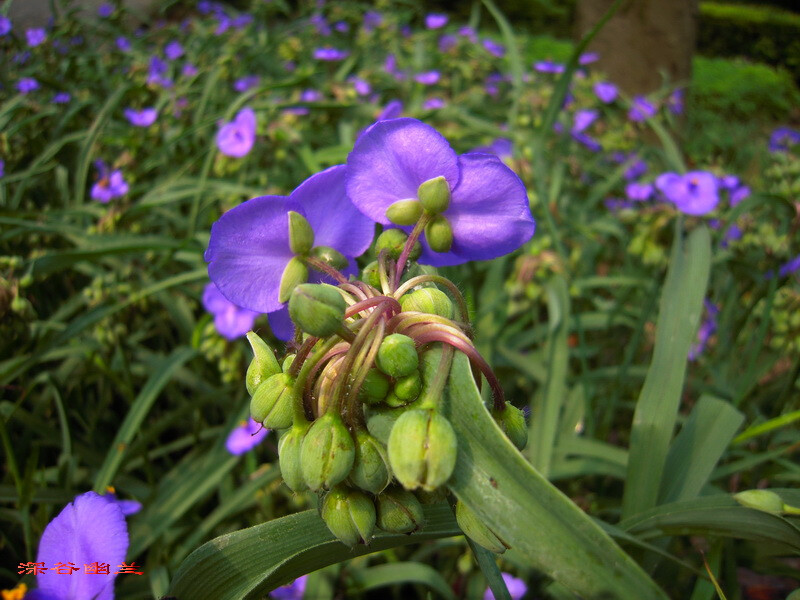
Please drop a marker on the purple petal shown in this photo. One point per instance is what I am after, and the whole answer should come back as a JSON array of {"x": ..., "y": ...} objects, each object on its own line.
[
  {"x": 237, "y": 137},
  {"x": 292, "y": 591},
  {"x": 281, "y": 324},
  {"x": 89, "y": 529},
  {"x": 390, "y": 161},
  {"x": 246, "y": 436},
  {"x": 230, "y": 320},
  {"x": 333, "y": 217},
  {"x": 248, "y": 251},
  {"x": 489, "y": 213},
  {"x": 516, "y": 588}
]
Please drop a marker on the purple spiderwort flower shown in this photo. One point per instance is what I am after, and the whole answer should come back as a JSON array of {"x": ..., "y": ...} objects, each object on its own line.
[
  {"x": 516, "y": 588},
  {"x": 361, "y": 86},
  {"x": 89, "y": 529},
  {"x": 447, "y": 42},
  {"x": 156, "y": 73},
  {"x": 733, "y": 233},
  {"x": 5, "y": 25},
  {"x": 372, "y": 19},
  {"x": 392, "y": 110},
  {"x": 61, "y": 98},
  {"x": 173, "y": 50},
  {"x": 581, "y": 121},
  {"x": 433, "y": 104},
  {"x": 249, "y": 246},
  {"x": 2, "y": 168},
  {"x": 501, "y": 147},
  {"x": 428, "y": 78},
  {"x": 488, "y": 211},
  {"x": 308, "y": 95},
  {"x": 792, "y": 266},
  {"x": 141, "y": 118},
  {"x": 246, "y": 436},
  {"x": 707, "y": 328},
  {"x": 548, "y": 66},
  {"x": 330, "y": 54},
  {"x": 636, "y": 170},
  {"x": 241, "y": 21},
  {"x": 641, "y": 109},
  {"x": 639, "y": 191},
  {"x": 230, "y": 320},
  {"x": 291, "y": 591},
  {"x": 26, "y": 85},
  {"x": 676, "y": 101},
  {"x": 105, "y": 10},
  {"x": 436, "y": 21},
  {"x": 35, "y": 37},
  {"x": 783, "y": 138},
  {"x": 588, "y": 58},
  {"x": 341, "y": 26},
  {"x": 110, "y": 185},
  {"x": 469, "y": 33},
  {"x": 189, "y": 70},
  {"x": 738, "y": 194},
  {"x": 693, "y": 193},
  {"x": 494, "y": 48},
  {"x": 320, "y": 24},
  {"x": 123, "y": 43},
  {"x": 605, "y": 91},
  {"x": 236, "y": 138},
  {"x": 246, "y": 83}
]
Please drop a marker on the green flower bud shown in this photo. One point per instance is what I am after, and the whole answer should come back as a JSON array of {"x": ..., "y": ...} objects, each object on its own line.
[
  {"x": 407, "y": 388},
  {"x": 370, "y": 275},
  {"x": 404, "y": 212},
  {"x": 399, "y": 511},
  {"x": 397, "y": 355},
  {"x": 393, "y": 241},
  {"x": 371, "y": 465},
  {"x": 295, "y": 273},
  {"x": 439, "y": 234},
  {"x": 380, "y": 421},
  {"x": 271, "y": 403},
  {"x": 328, "y": 452},
  {"x": 301, "y": 236},
  {"x": 422, "y": 449},
  {"x": 479, "y": 533},
  {"x": 393, "y": 401},
  {"x": 349, "y": 514},
  {"x": 317, "y": 308},
  {"x": 330, "y": 256},
  {"x": 263, "y": 364},
  {"x": 429, "y": 300},
  {"x": 512, "y": 421},
  {"x": 289, "y": 457},
  {"x": 763, "y": 500},
  {"x": 434, "y": 195},
  {"x": 287, "y": 362},
  {"x": 375, "y": 387}
]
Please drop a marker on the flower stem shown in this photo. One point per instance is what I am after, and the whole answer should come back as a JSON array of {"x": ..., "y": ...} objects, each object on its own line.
[
  {"x": 412, "y": 239},
  {"x": 433, "y": 392}
]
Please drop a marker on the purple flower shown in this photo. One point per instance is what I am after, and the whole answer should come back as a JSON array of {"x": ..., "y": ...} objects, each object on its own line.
[
  {"x": 636, "y": 170},
  {"x": 249, "y": 246},
  {"x": 428, "y": 78},
  {"x": 740, "y": 193},
  {"x": 516, "y": 588},
  {"x": 583, "y": 119},
  {"x": 173, "y": 50},
  {"x": 123, "y": 44},
  {"x": 341, "y": 26},
  {"x": 447, "y": 42},
  {"x": 292, "y": 591},
  {"x": 436, "y": 21},
  {"x": 469, "y": 33},
  {"x": 141, "y": 118},
  {"x": 617, "y": 204},
  {"x": 105, "y": 10},
  {"x": 392, "y": 110},
  {"x": 733, "y": 233},
  {"x": 548, "y": 66},
  {"x": 230, "y": 320},
  {"x": 2, "y": 168},
  {"x": 89, "y": 529},
  {"x": 61, "y": 98},
  {"x": 501, "y": 147},
  {"x": 372, "y": 19},
  {"x": 675, "y": 102},
  {"x": 241, "y": 21},
  {"x": 494, "y": 48},
  {"x": 789, "y": 267},
  {"x": 5, "y": 25},
  {"x": 488, "y": 211},
  {"x": 641, "y": 109},
  {"x": 320, "y": 25},
  {"x": 330, "y": 54},
  {"x": 783, "y": 138},
  {"x": 156, "y": 73},
  {"x": 110, "y": 185},
  {"x": 605, "y": 91},
  {"x": 246, "y": 83},
  {"x": 237, "y": 137},
  {"x": 35, "y": 37},
  {"x": 639, "y": 191},
  {"x": 27, "y": 85},
  {"x": 128, "y": 507},
  {"x": 588, "y": 58},
  {"x": 246, "y": 436},
  {"x": 362, "y": 87},
  {"x": 189, "y": 70},
  {"x": 694, "y": 193},
  {"x": 707, "y": 328},
  {"x": 433, "y": 104}
]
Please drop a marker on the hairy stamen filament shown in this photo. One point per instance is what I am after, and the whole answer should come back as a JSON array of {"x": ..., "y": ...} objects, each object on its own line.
[
  {"x": 404, "y": 320},
  {"x": 412, "y": 239},
  {"x": 364, "y": 365},
  {"x": 324, "y": 268}
]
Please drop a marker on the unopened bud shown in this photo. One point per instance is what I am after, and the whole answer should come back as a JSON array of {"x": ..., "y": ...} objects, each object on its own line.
[
  {"x": 271, "y": 403},
  {"x": 404, "y": 212},
  {"x": 287, "y": 362},
  {"x": 479, "y": 533},
  {"x": 375, "y": 387},
  {"x": 263, "y": 365},
  {"x": 371, "y": 465},
  {"x": 301, "y": 236},
  {"x": 317, "y": 308},
  {"x": 407, "y": 388},
  {"x": 289, "y": 457},
  {"x": 397, "y": 355},
  {"x": 434, "y": 195},
  {"x": 295, "y": 273},
  {"x": 439, "y": 234},
  {"x": 422, "y": 449},
  {"x": 512, "y": 421},
  {"x": 370, "y": 274},
  {"x": 330, "y": 256},
  {"x": 399, "y": 511},
  {"x": 763, "y": 500},
  {"x": 327, "y": 454},
  {"x": 429, "y": 300},
  {"x": 393, "y": 241},
  {"x": 393, "y": 401},
  {"x": 349, "y": 514}
]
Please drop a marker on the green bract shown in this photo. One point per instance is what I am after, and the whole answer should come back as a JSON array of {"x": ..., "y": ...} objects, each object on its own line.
[
  {"x": 289, "y": 447},
  {"x": 349, "y": 514},
  {"x": 263, "y": 365},
  {"x": 371, "y": 465},
  {"x": 327, "y": 453},
  {"x": 399, "y": 511},
  {"x": 317, "y": 308}
]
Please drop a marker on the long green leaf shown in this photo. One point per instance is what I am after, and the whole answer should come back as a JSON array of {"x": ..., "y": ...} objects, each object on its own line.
[
  {"x": 657, "y": 408},
  {"x": 402, "y": 573}
]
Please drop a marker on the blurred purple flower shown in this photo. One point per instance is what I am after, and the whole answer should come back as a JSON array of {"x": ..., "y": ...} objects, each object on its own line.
[
  {"x": 223, "y": 24},
  {"x": 469, "y": 33},
  {"x": 693, "y": 193},
  {"x": 675, "y": 102},
  {"x": 789, "y": 267},
  {"x": 605, "y": 91},
  {"x": 246, "y": 83},
  {"x": 241, "y": 21},
  {"x": 5, "y": 25},
  {"x": 141, "y": 118},
  {"x": 783, "y": 138},
  {"x": 330, "y": 54},
  {"x": 35, "y": 36},
  {"x": 433, "y": 104},
  {"x": 428, "y": 78},
  {"x": 246, "y": 436},
  {"x": 156, "y": 72},
  {"x": 189, "y": 70},
  {"x": 548, "y": 66},
  {"x": 362, "y": 87},
  {"x": 341, "y": 26},
  {"x": 738, "y": 194},
  {"x": 21, "y": 58},
  {"x": 436, "y": 21},
  {"x": 27, "y": 85},
  {"x": 128, "y": 507},
  {"x": 105, "y": 10},
  {"x": 707, "y": 328},
  {"x": 729, "y": 182},
  {"x": 90, "y": 528},
  {"x": 320, "y": 25},
  {"x": 494, "y": 48},
  {"x": 616, "y": 204},
  {"x": 636, "y": 170},
  {"x": 236, "y": 138},
  {"x": 588, "y": 58},
  {"x": 372, "y": 19},
  {"x": 230, "y": 320},
  {"x": 583, "y": 119},
  {"x": 392, "y": 110},
  {"x": 732, "y": 233},
  {"x": 516, "y": 588},
  {"x": 123, "y": 44},
  {"x": 447, "y": 42},
  {"x": 173, "y": 50},
  {"x": 308, "y": 95},
  {"x": 292, "y": 591},
  {"x": 641, "y": 109},
  {"x": 501, "y": 147},
  {"x": 2, "y": 167},
  {"x": 61, "y": 98},
  {"x": 488, "y": 211},
  {"x": 639, "y": 191},
  {"x": 110, "y": 184}
]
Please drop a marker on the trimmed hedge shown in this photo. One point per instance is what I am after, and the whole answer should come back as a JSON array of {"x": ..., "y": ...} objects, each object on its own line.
[{"x": 764, "y": 34}]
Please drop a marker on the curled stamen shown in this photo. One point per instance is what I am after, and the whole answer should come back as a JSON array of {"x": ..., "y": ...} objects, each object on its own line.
[
  {"x": 406, "y": 319},
  {"x": 353, "y": 289},
  {"x": 412, "y": 239},
  {"x": 392, "y": 304},
  {"x": 325, "y": 268}
]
